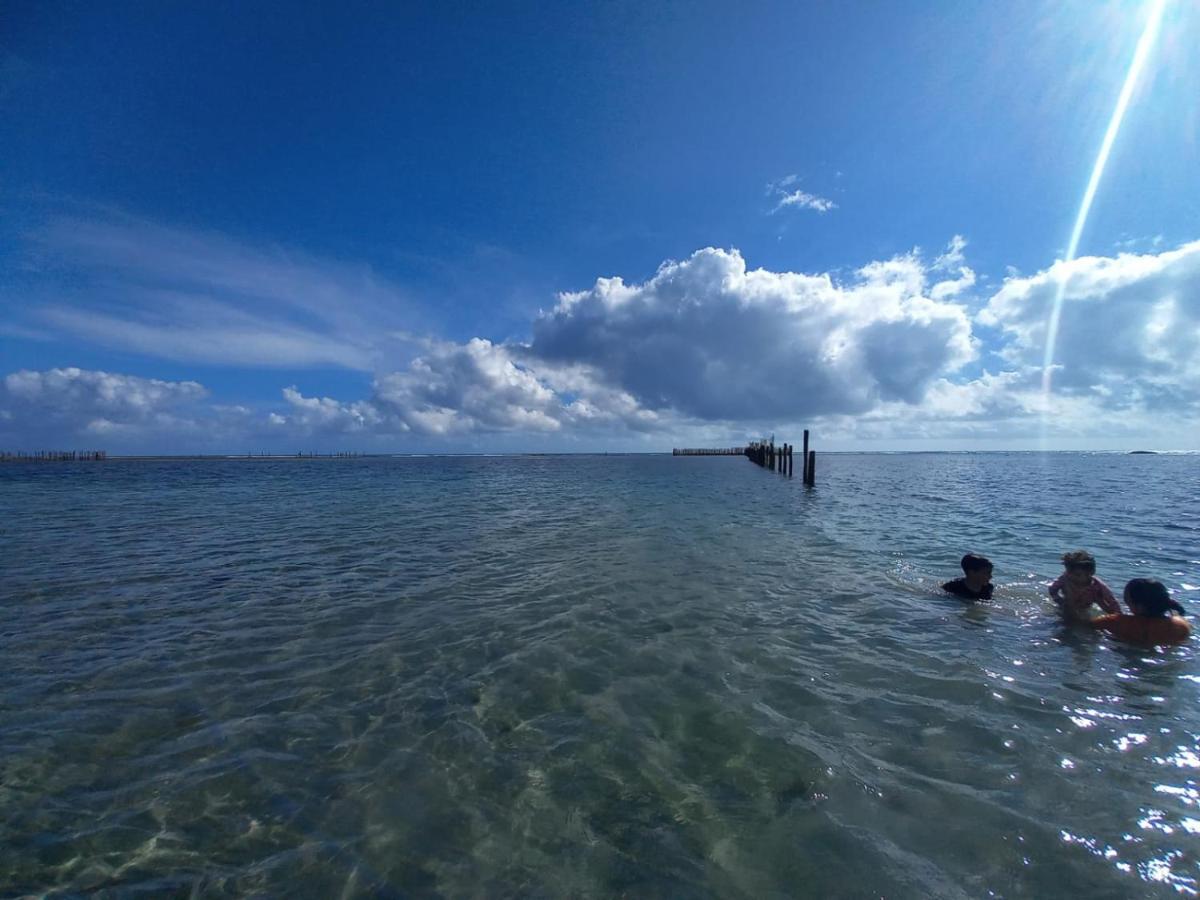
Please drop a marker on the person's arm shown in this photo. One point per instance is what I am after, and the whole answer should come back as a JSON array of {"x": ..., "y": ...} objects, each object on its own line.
[
  {"x": 1105, "y": 598},
  {"x": 1129, "y": 629},
  {"x": 1056, "y": 590}
]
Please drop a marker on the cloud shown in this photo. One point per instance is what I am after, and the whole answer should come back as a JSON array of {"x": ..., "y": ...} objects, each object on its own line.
[
  {"x": 126, "y": 396},
  {"x": 805, "y": 200},
  {"x": 707, "y": 350},
  {"x": 194, "y": 296},
  {"x": 1127, "y": 365},
  {"x": 952, "y": 257},
  {"x": 953, "y": 261},
  {"x": 708, "y": 339},
  {"x": 952, "y": 287},
  {"x": 78, "y": 402},
  {"x": 1129, "y": 330},
  {"x": 325, "y": 413},
  {"x": 478, "y": 387},
  {"x": 799, "y": 199},
  {"x": 198, "y": 330},
  {"x": 468, "y": 387}
]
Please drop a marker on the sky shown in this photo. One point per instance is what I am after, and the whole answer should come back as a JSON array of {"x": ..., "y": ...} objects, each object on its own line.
[{"x": 453, "y": 227}]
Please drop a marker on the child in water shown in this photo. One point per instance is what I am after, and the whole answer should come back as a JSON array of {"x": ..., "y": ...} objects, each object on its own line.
[
  {"x": 1151, "y": 623},
  {"x": 1077, "y": 588},
  {"x": 976, "y": 583}
]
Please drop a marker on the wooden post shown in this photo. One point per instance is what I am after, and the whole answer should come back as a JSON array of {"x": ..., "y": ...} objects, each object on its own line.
[
  {"x": 811, "y": 480},
  {"x": 791, "y": 461}
]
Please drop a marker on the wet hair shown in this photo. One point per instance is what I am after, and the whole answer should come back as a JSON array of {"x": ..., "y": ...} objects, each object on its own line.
[
  {"x": 1079, "y": 559},
  {"x": 1151, "y": 595},
  {"x": 973, "y": 561}
]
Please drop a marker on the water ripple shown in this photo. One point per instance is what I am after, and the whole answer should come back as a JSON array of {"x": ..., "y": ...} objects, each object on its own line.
[{"x": 589, "y": 676}]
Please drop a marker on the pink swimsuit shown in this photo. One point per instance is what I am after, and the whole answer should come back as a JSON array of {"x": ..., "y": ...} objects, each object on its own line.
[{"x": 1082, "y": 598}]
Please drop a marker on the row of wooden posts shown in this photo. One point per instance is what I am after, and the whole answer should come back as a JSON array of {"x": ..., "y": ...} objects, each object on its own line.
[
  {"x": 776, "y": 457},
  {"x": 51, "y": 455},
  {"x": 303, "y": 454},
  {"x": 781, "y": 458},
  {"x": 313, "y": 454}
]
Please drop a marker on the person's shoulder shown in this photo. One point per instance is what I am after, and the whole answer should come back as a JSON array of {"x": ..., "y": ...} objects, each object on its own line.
[
  {"x": 1178, "y": 628},
  {"x": 985, "y": 593},
  {"x": 1107, "y": 622},
  {"x": 956, "y": 586}
]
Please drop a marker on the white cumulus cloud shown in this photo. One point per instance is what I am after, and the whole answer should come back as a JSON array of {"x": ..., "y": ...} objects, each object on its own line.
[
  {"x": 78, "y": 402},
  {"x": 456, "y": 390},
  {"x": 708, "y": 350},
  {"x": 1129, "y": 332},
  {"x": 72, "y": 391},
  {"x": 708, "y": 339},
  {"x": 324, "y": 413},
  {"x": 467, "y": 387}
]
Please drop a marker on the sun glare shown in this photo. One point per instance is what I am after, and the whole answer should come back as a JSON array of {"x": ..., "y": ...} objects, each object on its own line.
[{"x": 1149, "y": 33}]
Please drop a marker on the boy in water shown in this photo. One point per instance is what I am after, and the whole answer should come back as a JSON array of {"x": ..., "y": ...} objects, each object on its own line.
[
  {"x": 1077, "y": 588},
  {"x": 976, "y": 583}
]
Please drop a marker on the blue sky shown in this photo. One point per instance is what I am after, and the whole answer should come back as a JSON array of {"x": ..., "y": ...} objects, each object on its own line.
[{"x": 376, "y": 227}]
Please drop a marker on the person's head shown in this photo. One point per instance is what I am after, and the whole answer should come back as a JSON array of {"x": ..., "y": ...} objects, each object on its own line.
[
  {"x": 976, "y": 563},
  {"x": 1149, "y": 597},
  {"x": 977, "y": 568},
  {"x": 1080, "y": 566}
]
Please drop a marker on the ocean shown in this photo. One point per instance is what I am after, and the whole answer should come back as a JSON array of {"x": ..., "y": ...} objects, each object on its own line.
[{"x": 590, "y": 676}]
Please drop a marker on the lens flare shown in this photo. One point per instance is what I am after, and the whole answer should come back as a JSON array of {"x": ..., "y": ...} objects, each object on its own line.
[{"x": 1110, "y": 135}]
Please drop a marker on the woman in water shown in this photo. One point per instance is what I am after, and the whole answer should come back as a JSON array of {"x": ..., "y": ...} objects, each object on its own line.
[{"x": 1152, "y": 622}]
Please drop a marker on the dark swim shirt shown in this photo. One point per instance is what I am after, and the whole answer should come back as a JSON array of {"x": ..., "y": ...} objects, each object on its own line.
[{"x": 958, "y": 587}]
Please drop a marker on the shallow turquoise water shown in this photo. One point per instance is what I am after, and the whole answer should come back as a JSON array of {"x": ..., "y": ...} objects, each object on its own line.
[{"x": 586, "y": 676}]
